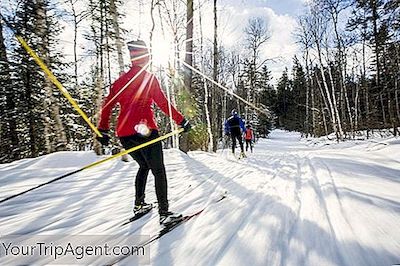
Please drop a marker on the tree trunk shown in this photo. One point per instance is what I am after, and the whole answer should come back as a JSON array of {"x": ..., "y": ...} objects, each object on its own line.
[
  {"x": 206, "y": 92},
  {"x": 118, "y": 39},
  {"x": 392, "y": 118},
  {"x": 97, "y": 147},
  {"x": 184, "y": 141},
  {"x": 189, "y": 44},
  {"x": 396, "y": 97},
  {"x": 306, "y": 123},
  {"x": 75, "y": 45},
  {"x": 328, "y": 97},
  {"x": 313, "y": 106},
  {"x": 99, "y": 71},
  {"x": 326, "y": 105},
  {"x": 364, "y": 85},
  {"x": 153, "y": 25},
  {"x": 383, "y": 109},
  {"x": 324, "y": 121},
  {"x": 208, "y": 118},
  {"x": 50, "y": 104},
  {"x": 348, "y": 107},
  {"x": 335, "y": 106},
  {"x": 356, "y": 107},
  {"x": 376, "y": 42},
  {"x": 171, "y": 121},
  {"x": 212, "y": 99}
]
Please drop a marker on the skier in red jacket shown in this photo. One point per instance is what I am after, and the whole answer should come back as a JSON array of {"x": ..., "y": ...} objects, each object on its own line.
[
  {"x": 135, "y": 91},
  {"x": 249, "y": 137}
]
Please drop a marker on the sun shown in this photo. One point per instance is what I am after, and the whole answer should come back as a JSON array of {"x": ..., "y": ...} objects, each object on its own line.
[{"x": 162, "y": 51}]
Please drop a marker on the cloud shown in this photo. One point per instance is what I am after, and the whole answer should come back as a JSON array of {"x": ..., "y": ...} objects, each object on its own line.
[{"x": 281, "y": 46}]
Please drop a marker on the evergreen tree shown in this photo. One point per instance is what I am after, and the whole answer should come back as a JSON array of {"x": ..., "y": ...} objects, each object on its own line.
[
  {"x": 268, "y": 99},
  {"x": 298, "y": 95},
  {"x": 9, "y": 148},
  {"x": 39, "y": 126},
  {"x": 284, "y": 101}
]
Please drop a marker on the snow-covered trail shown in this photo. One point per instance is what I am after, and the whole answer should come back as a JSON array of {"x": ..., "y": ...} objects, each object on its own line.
[{"x": 291, "y": 202}]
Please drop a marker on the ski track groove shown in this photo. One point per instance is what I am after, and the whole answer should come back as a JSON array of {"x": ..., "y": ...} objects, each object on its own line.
[
  {"x": 294, "y": 224},
  {"x": 242, "y": 224},
  {"x": 322, "y": 200},
  {"x": 336, "y": 191}
]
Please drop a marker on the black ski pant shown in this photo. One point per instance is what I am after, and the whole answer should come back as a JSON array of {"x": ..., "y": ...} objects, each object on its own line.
[
  {"x": 249, "y": 142},
  {"x": 235, "y": 136},
  {"x": 148, "y": 158}
]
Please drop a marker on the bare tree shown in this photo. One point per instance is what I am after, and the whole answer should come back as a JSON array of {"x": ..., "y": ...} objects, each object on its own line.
[
  {"x": 317, "y": 26},
  {"x": 334, "y": 9},
  {"x": 78, "y": 16},
  {"x": 256, "y": 34},
  {"x": 303, "y": 37}
]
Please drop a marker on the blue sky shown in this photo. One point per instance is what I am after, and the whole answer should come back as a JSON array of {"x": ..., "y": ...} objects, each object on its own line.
[
  {"x": 281, "y": 7},
  {"x": 281, "y": 17}
]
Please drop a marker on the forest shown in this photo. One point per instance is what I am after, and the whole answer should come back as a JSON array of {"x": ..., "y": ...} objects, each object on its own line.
[{"x": 344, "y": 77}]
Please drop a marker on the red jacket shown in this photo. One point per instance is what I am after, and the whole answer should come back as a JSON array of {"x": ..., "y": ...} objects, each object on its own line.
[
  {"x": 249, "y": 134},
  {"x": 135, "y": 102}
]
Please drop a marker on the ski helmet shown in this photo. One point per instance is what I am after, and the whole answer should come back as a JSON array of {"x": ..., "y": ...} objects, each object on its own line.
[{"x": 138, "y": 52}]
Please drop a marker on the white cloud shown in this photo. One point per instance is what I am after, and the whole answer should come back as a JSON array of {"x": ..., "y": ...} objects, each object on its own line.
[{"x": 281, "y": 46}]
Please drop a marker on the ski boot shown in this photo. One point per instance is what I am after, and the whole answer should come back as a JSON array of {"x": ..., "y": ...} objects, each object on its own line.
[
  {"x": 169, "y": 218},
  {"x": 242, "y": 155},
  {"x": 142, "y": 208}
]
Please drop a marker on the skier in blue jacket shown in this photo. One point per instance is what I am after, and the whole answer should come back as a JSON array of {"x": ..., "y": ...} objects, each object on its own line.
[{"x": 234, "y": 126}]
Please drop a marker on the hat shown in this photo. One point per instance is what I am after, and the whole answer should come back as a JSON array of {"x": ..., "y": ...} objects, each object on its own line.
[
  {"x": 138, "y": 52},
  {"x": 234, "y": 112}
]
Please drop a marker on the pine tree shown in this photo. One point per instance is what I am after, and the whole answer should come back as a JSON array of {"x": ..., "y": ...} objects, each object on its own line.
[
  {"x": 268, "y": 99},
  {"x": 283, "y": 99},
  {"x": 298, "y": 94},
  {"x": 40, "y": 128},
  {"x": 9, "y": 149}
]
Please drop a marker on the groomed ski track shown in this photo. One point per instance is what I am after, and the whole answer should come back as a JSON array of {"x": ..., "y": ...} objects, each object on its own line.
[{"x": 291, "y": 202}]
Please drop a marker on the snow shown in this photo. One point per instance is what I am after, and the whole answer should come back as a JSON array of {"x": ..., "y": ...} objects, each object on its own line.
[{"x": 292, "y": 202}]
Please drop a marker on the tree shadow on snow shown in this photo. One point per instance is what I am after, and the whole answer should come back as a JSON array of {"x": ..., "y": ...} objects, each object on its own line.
[{"x": 310, "y": 239}]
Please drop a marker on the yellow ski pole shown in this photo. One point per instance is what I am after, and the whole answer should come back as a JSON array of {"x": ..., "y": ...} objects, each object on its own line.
[
  {"x": 175, "y": 132},
  {"x": 52, "y": 78}
]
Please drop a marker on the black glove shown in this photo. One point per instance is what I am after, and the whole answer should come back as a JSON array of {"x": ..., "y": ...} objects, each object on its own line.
[
  {"x": 185, "y": 125},
  {"x": 105, "y": 139}
]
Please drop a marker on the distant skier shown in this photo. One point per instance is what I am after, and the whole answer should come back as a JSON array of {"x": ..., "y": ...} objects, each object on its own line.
[
  {"x": 137, "y": 125},
  {"x": 234, "y": 126},
  {"x": 249, "y": 138}
]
